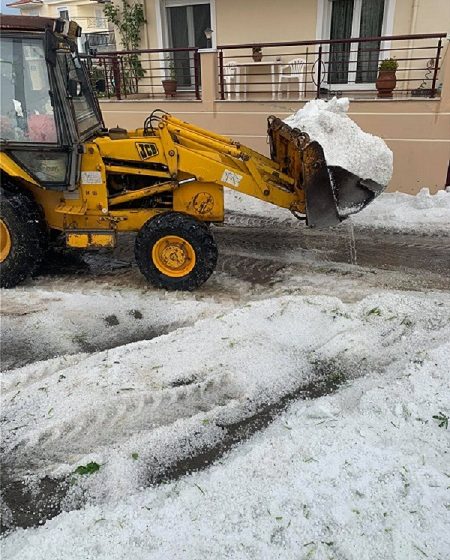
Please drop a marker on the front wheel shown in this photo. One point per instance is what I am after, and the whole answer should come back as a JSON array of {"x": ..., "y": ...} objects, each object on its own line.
[
  {"x": 175, "y": 252},
  {"x": 22, "y": 237}
]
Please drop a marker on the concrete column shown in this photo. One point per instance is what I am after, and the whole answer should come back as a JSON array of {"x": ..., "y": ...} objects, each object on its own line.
[
  {"x": 209, "y": 74},
  {"x": 444, "y": 77}
]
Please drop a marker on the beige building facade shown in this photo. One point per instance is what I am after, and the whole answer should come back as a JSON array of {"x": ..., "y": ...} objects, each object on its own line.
[
  {"x": 253, "y": 21},
  {"x": 181, "y": 24}
]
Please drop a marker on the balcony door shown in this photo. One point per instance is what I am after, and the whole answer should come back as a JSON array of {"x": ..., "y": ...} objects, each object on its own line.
[
  {"x": 354, "y": 63},
  {"x": 186, "y": 24}
]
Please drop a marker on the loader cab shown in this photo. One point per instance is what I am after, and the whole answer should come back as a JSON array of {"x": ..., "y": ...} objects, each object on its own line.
[{"x": 48, "y": 108}]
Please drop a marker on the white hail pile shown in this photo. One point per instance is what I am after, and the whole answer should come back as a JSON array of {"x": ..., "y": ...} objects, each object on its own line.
[
  {"x": 343, "y": 142},
  {"x": 358, "y": 474}
]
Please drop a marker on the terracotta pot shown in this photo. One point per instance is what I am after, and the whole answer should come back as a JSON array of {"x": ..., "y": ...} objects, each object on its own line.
[
  {"x": 170, "y": 87},
  {"x": 386, "y": 83}
]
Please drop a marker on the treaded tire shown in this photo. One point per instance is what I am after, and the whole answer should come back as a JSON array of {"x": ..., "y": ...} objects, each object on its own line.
[
  {"x": 23, "y": 219},
  {"x": 194, "y": 232}
]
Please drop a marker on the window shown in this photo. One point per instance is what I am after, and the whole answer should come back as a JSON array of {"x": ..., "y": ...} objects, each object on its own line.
[
  {"x": 186, "y": 24},
  {"x": 26, "y": 108},
  {"x": 63, "y": 13},
  {"x": 344, "y": 19},
  {"x": 100, "y": 20},
  {"x": 81, "y": 97},
  {"x": 47, "y": 166}
]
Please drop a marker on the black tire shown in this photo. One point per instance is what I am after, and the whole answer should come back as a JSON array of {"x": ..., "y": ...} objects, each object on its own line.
[
  {"x": 194, "y": 232},
  {"x": 26, "y": 229}
]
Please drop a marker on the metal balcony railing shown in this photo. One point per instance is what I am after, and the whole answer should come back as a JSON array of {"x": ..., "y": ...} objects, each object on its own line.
[
  {"x": 98, "y": 42},
  {"x": 322, "y": 69},
  {"x": 152, "y": 73},
  {"x": 283, "y": 71},
  {"x": 89, "y": 23}
]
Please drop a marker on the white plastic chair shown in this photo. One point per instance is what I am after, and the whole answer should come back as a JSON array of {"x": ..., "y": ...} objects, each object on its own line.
[
  {"x": 231, "y": 76},
  {"x": 294, "y": 70}
]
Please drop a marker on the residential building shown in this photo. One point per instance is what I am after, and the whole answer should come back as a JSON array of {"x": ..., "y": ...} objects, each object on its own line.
[{"x": 97, "y": 35}]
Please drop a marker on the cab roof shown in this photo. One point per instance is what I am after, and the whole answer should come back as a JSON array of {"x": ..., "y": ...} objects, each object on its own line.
[{"x": 27, "y": 23}]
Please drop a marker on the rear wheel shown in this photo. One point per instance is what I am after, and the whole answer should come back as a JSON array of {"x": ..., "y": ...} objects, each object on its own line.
[
  {"x": 21, "y": 237},
  {"x": 175, "y": 252}
]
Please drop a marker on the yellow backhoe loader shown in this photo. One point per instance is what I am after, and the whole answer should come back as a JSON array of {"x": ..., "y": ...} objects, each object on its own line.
[{"x": 63, "y": 171}]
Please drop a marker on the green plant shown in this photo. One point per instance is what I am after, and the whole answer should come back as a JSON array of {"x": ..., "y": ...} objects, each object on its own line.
[
  {"x": 128, "y": 20},
  {"x": 90, "y": 468},
  {"x": 171, "y": 74},
  {"x": 442, "y": 420},
  {"x": 389, "y": 64},
  {"x": 374, "y": 311}
]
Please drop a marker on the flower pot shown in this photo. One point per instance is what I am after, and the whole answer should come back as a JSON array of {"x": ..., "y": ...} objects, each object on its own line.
[
  {"x": 386, "y": 83},
  {"x": 170, "y": 87}
]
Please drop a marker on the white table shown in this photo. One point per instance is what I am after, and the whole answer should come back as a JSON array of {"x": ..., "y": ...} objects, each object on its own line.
[{"x": 275, "y": 66}]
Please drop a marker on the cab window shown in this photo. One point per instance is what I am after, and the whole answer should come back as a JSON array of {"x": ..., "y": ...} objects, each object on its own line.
[
  {"x": 26, "y": 108},
  {"x": 75, "y": 80}
]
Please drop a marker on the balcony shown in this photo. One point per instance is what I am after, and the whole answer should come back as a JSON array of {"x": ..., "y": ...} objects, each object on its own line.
[
  {"x": 282, "y": 72},
  {"x": 323, "y": 69},
  {"x": 141, "y": 74},
  {"x": 89, "y": 24}
]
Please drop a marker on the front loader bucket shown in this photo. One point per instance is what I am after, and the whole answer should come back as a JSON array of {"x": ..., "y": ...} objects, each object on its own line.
[
  {"x": 321, "y": 204},
  {"x": 332, "y": 193},
  {"x": 352, "y": 193}
]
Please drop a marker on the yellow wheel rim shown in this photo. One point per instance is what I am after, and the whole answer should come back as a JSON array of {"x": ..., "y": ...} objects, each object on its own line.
[
  {"x": 5, "y": 241},
  {"x": 173, "y": 256}
]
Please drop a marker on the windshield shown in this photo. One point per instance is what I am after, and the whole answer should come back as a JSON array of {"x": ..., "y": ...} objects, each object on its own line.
[
  {"x": 80, "y": 93},
  {"x": 26, "y": 108}
]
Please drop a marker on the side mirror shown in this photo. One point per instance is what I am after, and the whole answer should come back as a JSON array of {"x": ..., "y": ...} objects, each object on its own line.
[
  {"x": 74, "y": 88},
  {"x": 100, "y": 86}
]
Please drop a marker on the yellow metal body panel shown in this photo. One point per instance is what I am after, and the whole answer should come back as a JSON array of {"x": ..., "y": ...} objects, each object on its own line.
[
  {"x": 133, "y": 220},
  {"x": 201, "y": 200},
  {"x": 90, "y": 240},
  {"x": 78, "y": 207},
  {"x": 93, "y": 180},
  {"x": 131, "y": 149}
]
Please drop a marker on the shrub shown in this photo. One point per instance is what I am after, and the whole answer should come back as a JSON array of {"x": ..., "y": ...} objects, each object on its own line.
[{"x": 389, "y": 64}]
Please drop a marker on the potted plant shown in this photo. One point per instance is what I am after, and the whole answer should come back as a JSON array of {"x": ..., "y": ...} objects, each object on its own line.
[
  {"x": 170, "y": 83},
  {"x": 386, "y": 80},
  {"x": 257, "y": 54}
]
